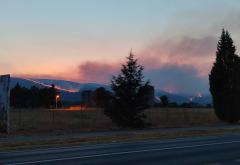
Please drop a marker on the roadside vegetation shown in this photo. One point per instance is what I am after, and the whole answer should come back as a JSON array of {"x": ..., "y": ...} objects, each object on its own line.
[
  {"x": 126, "y": 137},
  {"x": 38, "y": 121}
]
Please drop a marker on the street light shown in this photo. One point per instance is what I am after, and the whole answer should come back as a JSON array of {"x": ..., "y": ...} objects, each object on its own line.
[{"x": 57, "y": 98}]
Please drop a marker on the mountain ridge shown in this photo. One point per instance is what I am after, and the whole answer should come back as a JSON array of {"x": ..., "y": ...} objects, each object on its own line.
[{"x": 71, "y": 91}]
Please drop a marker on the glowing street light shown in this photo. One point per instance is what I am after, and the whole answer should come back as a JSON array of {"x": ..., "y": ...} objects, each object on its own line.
[{"x": 57, "y": 98}]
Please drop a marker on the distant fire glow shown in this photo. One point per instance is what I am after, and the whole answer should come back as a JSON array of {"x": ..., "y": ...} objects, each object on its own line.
[
  {"x": 48, "y": 86},
  {"x": 170, "y": 89},
  {"x": 192, "y": 98},
  {"x": 199, "y": 94}
]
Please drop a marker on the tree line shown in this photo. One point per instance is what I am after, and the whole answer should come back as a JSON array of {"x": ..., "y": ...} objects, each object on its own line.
[
  {"x": 101, "y": 96},
  {"x": 21, "y": 97}
]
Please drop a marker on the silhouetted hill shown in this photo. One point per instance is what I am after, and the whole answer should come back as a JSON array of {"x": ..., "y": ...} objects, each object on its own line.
[
  {"x": 71, "y": 91},
  {"x": 68, "y": 85},
  {"x": 181, "y": 98},
  {"x": 23, "y": 82},
  {"x": 72, "y": 85}
]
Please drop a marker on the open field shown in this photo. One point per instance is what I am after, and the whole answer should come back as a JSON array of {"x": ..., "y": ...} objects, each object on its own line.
[
  {"x": 181, "y": 117},
  {"x": 41, "y": 120}
]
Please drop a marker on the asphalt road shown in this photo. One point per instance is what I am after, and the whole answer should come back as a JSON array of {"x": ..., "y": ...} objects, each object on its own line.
[{"x": 201, "y": 150}]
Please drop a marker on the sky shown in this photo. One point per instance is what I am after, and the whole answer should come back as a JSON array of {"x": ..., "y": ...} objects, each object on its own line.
[{"x": 88, "y": 40}]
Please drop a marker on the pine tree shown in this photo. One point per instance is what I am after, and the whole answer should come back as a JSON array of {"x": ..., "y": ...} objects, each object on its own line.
[
  {"x": 129, "y": 97},
  {"x": 224, "y": 80}
]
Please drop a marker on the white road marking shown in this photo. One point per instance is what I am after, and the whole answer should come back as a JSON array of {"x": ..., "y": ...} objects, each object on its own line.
[{"x": 124, "y": 152}]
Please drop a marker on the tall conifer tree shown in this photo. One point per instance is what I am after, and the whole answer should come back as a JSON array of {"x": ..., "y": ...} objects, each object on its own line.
[
  {"x": 129, "y": 98},
  {"x": 224, "y": 80}
]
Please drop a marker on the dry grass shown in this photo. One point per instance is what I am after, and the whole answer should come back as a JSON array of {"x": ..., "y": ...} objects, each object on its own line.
[
  {"x": 42, "y": 120},
  {"x": 108, "y": 139},
  {"x": 181, "y": 117}
]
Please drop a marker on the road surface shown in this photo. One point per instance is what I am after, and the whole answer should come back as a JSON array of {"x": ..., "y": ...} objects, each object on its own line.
[{"x": 201, "y": 150}]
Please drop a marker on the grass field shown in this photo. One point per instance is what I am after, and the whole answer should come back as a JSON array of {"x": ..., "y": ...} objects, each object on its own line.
[
  {"x": 181, "y": 117},
  {"x": 42, "y": 120}
]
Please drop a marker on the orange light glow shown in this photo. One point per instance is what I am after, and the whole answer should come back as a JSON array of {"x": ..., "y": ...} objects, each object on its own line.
[
  {"x": 77, "y": 108},
  {"x": 74, "y": 108}
]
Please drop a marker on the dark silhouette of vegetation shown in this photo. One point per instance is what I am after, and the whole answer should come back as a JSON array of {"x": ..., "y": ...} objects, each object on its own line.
[
  {"x": 87, "y": 98},
  {"x": 192, "y": 105},
  {"x": 173, "y": 104},
  {"x": 101, "y": 97},
  {"x": 147, "y": 92},
  {"x": 224, "y": 80},
  {"x": 129, "y": 98},
  {"x": 21, "y": 97},
  {"x": 164, "y": 100}
]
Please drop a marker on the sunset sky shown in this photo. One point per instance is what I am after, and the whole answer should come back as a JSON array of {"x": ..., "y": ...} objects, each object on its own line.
[{"x": 87, "y": 40}]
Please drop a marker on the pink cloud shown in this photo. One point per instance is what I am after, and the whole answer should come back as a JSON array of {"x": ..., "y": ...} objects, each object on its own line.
[{"x": 97, "y": 71}]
